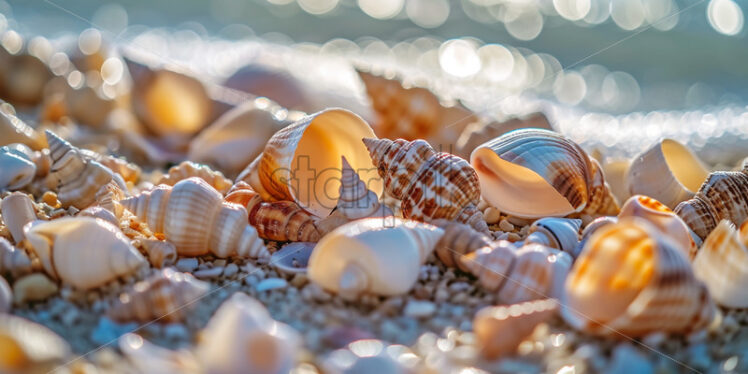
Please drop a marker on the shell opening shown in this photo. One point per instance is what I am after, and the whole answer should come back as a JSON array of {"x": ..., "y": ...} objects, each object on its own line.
[{"x": 684, "y": 165}]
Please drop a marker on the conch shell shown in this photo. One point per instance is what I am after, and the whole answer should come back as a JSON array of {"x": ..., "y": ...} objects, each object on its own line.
[
  {"x": 500, "y": 329},
  {"x": 14, "y": 262},
  {"x": 667, "y": 171},
  {"x": 165, "y": 296},
  {"x": 307, "y": 154},
  {"x": 533, "y": 173},
  {"x": 16, "y": 168},
  {"x": 480, "y": 132},
  {"x": 83, "y": 251},
  {"x": 13, "y": 130},
  {"x": 280, "y": 220},
  {"x": 360, "y": 256},
  {"x": 663, "y": 218},
  {"x": 558, "y": 233},
  {"x": 194, "y": 217},
  {"x": 190, "y": 169},
  {"x": 27, "y": 346},
  {"x": 17, "y": 210},
  {"x": 430, "y": 185},
  {"x": 724, "y": 195},
  {"x": 458, "y": 240},
  {"x": 632, "y": 280},
  {"x": 722, "y": 263}
]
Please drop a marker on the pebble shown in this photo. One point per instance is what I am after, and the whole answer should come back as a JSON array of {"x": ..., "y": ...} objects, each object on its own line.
[
  {"x": 33, "y": 287},
  {"x": 419, "y": 309},
  {"x": 209, "y": 273},
  {"x": 627, "y": 359},
  {"x": 187, "y": 264},
  {"x": 230, "y": 270},
  {"x": 505, "y": 225},
  {"x": 271, "y": 284},
  {"x": 491, "y": 215}
]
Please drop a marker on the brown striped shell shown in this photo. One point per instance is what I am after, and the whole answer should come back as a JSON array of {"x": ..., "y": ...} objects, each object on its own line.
[
  {"x": 190, "y": 169},
  {"x": 480, "y": 132},
  {"x": 160, "y": 253},
  {"x": 722, "y": 264}
]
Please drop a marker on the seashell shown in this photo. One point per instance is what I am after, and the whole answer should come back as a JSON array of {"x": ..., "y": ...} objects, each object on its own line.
[
  {"x": 358, "y": 257},
  {"x": 64, "y": 244},
  {"x": 492, "y": 264},
  {"x": 33, "y": 287},
  {"x": 167, "y": 296},
  {"x": 190, "y": 169},
  {"x": 307, "y": 154},
  {"x": 280, "y": 220},
  {"x": 722, "y": 264},
  {"x": 76, "y": 178},
  {"x": 458, "y": 240},
  {"x": 666, "y": 171},
  {"x": 724, "y": 195},
  {"x": 27, "y": 346},
  {"x": 292, "y": 258},
  {"x": 6, "y": 296},
  {"x": 13, "y": 130},
  {"x": 160, "y": 253},
  {"x": 558, "y": 233},
  {"x": 590, "y": 229},
  {"x": 14, "y": 262},
  {"x": 17, "y": 210},
  {"x": 662, "y": 218},
  {"x": 127, "y": 170},
  {"x": 500, "y": 329},
  {"x": 630, "y": 280},
  {"x": 151, "y": 358},
  {"x": 616, "y": 171},
  {"x": 220, "y": 227},
  {"x": 243, "y": 337},
  {"x": 371, "y": 356},
  {"x": 239, "y": 135},
  {"x": 480, "y": 132},
  {"x": 267, "y": 81},
  {"x": 27, "y": 73},
  {"x": 430, "y": 185},
  {"x": 16, "y": 168},
  {"x": 100, "y": 212},
  {"x": 534, "y": 173}
]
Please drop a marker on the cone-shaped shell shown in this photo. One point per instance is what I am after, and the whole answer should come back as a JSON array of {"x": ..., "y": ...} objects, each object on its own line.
[
  {"x": 661, "y": 217},
  {"x": 280, "y": 220},
  {"x": 190, "y": 169},
  {"x": 630, "y": 279},
  {"x": 480, "y": 132},
  {"x": 722, "y": 263},
  {"x": 17, "y": 210},
  {"x": 724, "y": 195},
  {"x": 376, "y": 255},
  {"x": 458, "y": 240},
  {"x": 13, "y": 130},
  {"x": 301, "y": 162},
  {"x": 14, "y": 262},
  {"x": 28, "y": 346},
  {"x": 166, "y": 296},
  {"x": 533, "y": 173},
  {"x": 194, "y": 217},
  {"x": 500, "y": 329},
  {"x": 558, "y": 233},
  {"x": 16, "y": 167},
  {"x": 83, "y": 251}
]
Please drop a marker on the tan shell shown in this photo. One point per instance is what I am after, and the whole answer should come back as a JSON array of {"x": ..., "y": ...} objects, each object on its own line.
[
  {"x": 83, "y": 251},
  {"x": 480, "y": 132},
  {"x": 724, "y": 195},
  {"x": 534, "y": 173},
  {"x": 14, "y": 262},
  {"x": 6, "y": 296},
  {"x": 430, "y": 185},
  {"x": 500, "y": 329},
  {"x": 722, "y": 264},
  {"x": 16, "y": 168},
  {"x": 190, "y": 169},
  {"x": 280, "y": 220},
  {"x": 668, "y": 172},
  {"x": 194, "y": 217},
  {"x": 24, "y": 78},
  {"x": 100, "y": 212},
  {"x": 13, "y": 130},
  {"x": 663, "y": 218},
  {"x": 33, "y": 287},
  {"x": 167, "y": 296},
  {"x": 17, "y": 210},
  {"x": 127, "y": 170},
  {"x": 151, "y": 358},
  {"x": 307, "y": 153},
  {"x": 458, "y": 240},
  {"x": 26, "y": 346},
  {"x": 160, "y": 253},
  {"x": 358, "y": 256},
  {"x": 558, "y": 233},
  {"x": 616, "y": 173},
  {"x": 630, "y": 280}
]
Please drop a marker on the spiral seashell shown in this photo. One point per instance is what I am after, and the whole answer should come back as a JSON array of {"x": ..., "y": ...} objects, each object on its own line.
[
  {"x": 17, "y": 210},
  {"x": 458, "y": 240},
  {"x": 160, "y": 253},
  {"x": 76, "y": 179},
  {"x": 307, "y": 154},
  {"x": 27, "y": 346},
  {"x": 668, "y": 172},
  {"x": 280, "y": 220},
  {"x": 100, "y": 212},
  {"x": 166, "y": 296},
  {"x": 722, "y": 264},
  {"x": 14, "y": 262},
  {"x": 127, "y": 170},
  {"x": 6, "y": 296},
  {"x": 480, "y": 132},
  {"x": 16, "y": 168},
  {"x": 371, "y": 356},
  {"x": 358, "y": 256},
  {"x": 534, "y": 173},
  {"x": 500, "y": 329},
  {"x": 724, "y": 195},
  {"x": 190, "y": 169},
  {"x": 13, "y": 130},
  {"x": 662, "y": 218},
  {"x": 558, "y": 233},
  {"x": 194, "y": 217},
  {"x": 632, "y": 280},
  {"x": 430, "y": 185}
]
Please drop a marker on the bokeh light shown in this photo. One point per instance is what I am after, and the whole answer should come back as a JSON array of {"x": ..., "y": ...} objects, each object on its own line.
[
  {"x": 725, "y": 16},
  {"x": 526, "y": 25},
  {"x": 573, "y": 10},
  {"x": 627, "y": 14},
  {"x": 570, "y": 88},
  {"x": 428, "y": 13},
  {"x": 318, "y": 7},
  {"x": 459, "y": 58},
  {"x": 381, "y": 9}
]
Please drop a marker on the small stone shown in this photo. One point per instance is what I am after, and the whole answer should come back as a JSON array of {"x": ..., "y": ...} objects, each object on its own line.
[
  {"x": 626, "y": 359},
  {"x": 230, "y": 270},
  {"x": 209, "y": 273},
  {"x": 220, "y": 262},
  {"x": 491, "y": 215},
  {"x": 420, "y": 309},
  {"x": 513, "y": 237},
  {"x": 271, "y": 284},
  {"x": 187, "y": 264},
  {"x": 50, "y": 198},
  {"x": 33, "y": 287},
  {"x": 505, "y": 225}
]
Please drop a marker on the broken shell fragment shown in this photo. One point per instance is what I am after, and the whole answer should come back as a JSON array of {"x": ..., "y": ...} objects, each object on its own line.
[
  {"x": 27, "y": 346},
  {"x": 661, "y": 217},
  {"x": 190, "y": 169},
  {"x": 17, "y": 210},
  {"x": 14, "y": 262},
  {"x": 100, "y": 212},
  {"x": 33, "y": 287},
  {"x": 722, "y": 264},
  {"x": 16, "y": 168},
  {"x": 558, "y": 233}
]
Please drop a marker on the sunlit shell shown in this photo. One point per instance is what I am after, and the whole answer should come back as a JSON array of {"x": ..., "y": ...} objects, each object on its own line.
[
  {"x": 16, "y": 168},
  {"x": 629, "y": 279},
  {"x": 722, "y": 263},
  {"x": 492, "y": 265},
  {"x": 13, "y": 130},
  {"x": 33, "y": 287},
  {"x": 430, "y": 185},
  {"x": 534, "y": 173},
  {"x": 278, "y": 220},
  {"x": 6, "y": 296},
  {"x": 376, "y": 255},
  {"x": 307, "y": 154},
  {"x": 167, "y": 296},
  {"x": 127, "y": 170},
  {"x": 27, "y": 346},
  {"x": 194, "y": 217},
  {"x": 266, "y": 81},
  {"x": 100, "y": 212},
  {"x": 17, "y": 210},
  {"x": 160, "y": 253},
  {"x": 83, "y": 251},
  {"x": 724, "y": 195},
  {"x": 661, "y": 217},
  {"x": 500, "y": 329},
  {"x": 458, "y": 240},
  {"x": 369, "y": 356},
  {"x": 558, "y": 233},
  {"x": 480, "y": 132},
  {"x": 668, "y": 172},
  {"x": 14, "y": 262},
  {"x": 190, "y": 169}
]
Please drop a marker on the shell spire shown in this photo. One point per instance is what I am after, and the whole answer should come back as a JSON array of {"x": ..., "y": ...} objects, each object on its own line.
[{"x": 190, "y": 169}]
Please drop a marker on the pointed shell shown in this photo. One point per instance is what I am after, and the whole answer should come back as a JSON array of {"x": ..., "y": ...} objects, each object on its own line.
[
  {"x": 533, "y": 173},
  {"x": 480, "y": 132},
  {"x": 16, "y": 167},
  {"x": 26, "y": 345},
  {"x": 668, "y": 172},
  {"x": 722, "y": 263},
  {"x": 13, "y": 130},
  {"x": 14, "y": 262},
  {"x": 358, "y": 257},
  {"x": 458, "y": 240},
  {"x": 17, "y": 210},
  {"x": 661, "y": 217},
  {"x": 558, "y": 233},
  {"x": 500, "y": 329},
  {"x": 82, "y": 251},
  {"x": 190, "y": 169}
]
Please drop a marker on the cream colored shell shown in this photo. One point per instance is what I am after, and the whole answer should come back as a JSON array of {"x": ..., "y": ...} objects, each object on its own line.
[
  {"x": 14, "y": 262},
  {"x": 26, "y": 345},
  {"x": 6, "y": 296},
  {"x": 722, "y": 263},
  {"x": 188, "y": 169},
  {"x": 16, "y": 167},
  {"x": 663, "y": 218},
  {"x": 17, "y": 210}
]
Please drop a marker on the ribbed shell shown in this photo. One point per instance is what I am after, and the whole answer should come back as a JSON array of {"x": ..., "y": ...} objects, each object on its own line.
[
  {"x": 160, "y": 253},
  {"x": 458, "y": 240},
  {"x": 590, "y": 229},
  {"x": 100, "y": 212},
  {"x": 17, "y": 210},
  {"x": 190, "y": 169},
  {"x": 722, "y": 263},
  {"x": 194, "y": 217},
  {"x": 724, "y": 195},
  {"x": 500, "y": 329},
  {"x": 16, "y": 167},
  {"x": 558, "y": 233},
  {"x": 127, "y": 170},
  {"x": 280, "y": 220},
  {"x": 14, "y": 262},
  {"x": 480, "y": 132},
  {"x": 28, "y": 345},
  {"x": 167, "y": 296},
  {"x": 661, "y": 217},
  {"x": 13, "y": 130},
  {"x": 430, "y": 185}
]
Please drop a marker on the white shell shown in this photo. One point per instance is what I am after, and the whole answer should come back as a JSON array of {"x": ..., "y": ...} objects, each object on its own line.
[
  {"x": 13, "y": 130},
  {"x": 16, "y": 168},
  {"x": 559, "y": 233},
  {"x": 17, "y": 210},
  {"x": 722, "y": 263}
]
